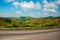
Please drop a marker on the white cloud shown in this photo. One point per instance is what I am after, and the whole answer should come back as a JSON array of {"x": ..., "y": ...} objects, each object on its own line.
[
  {"x": 18, "y": 12},
  {"x": 9, "y": 0},
  {"x": 45, "y": 1},
  {"x": 49, "y": 10},
  {"x": 52, "y": 10},
  {"x": 31, "y": 4},
  {"x": 5, "y": 14},
  {"x": 38, "y": 5},
  {"x": 27, "y": 5},
  {"x": 16, "y": 4},
  {"x": 49, "y": 7},
  {"x": 57, "y": 2}
]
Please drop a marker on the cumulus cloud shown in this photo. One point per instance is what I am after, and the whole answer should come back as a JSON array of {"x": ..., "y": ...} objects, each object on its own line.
[
  {"x": 38, "y": 5},
  {"x": 18, "y": 12},
  {"x": 49, "y": 7},
  {"x": 16, "y": 4},
  {"x": 49, "y": 10},
  {"x": 57, "y": 2},
  {"x": 25, "y": 5}
]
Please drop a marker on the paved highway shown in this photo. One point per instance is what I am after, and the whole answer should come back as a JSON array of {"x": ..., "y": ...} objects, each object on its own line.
[{"x": 48, "y": 35}]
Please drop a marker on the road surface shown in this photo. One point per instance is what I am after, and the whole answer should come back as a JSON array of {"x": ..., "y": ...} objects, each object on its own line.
[{"x": 48, "y": 35}]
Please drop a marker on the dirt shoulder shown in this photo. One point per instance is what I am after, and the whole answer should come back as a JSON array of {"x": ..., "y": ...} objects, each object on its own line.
[{"x": 24, "y": 31}]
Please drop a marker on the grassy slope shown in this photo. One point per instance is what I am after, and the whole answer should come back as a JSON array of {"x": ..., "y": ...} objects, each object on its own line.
[{"x": 30, "y": 23}]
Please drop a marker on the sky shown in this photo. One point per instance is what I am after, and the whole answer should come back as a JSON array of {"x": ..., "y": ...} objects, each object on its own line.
[{"x": 33, "y": 8}]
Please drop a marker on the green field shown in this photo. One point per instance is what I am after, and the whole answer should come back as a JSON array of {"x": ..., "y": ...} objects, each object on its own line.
[{"x": 30, "y": 22}]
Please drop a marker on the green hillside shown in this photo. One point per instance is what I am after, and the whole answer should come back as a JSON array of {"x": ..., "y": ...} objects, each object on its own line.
[{"x": 45, "y": 22}]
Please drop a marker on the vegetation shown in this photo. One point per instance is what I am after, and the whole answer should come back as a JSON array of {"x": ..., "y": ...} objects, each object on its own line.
[{"x": 30, "y": 23}]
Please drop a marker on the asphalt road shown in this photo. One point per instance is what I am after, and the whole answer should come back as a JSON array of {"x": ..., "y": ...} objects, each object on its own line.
[{"x": 49, "y": 35}]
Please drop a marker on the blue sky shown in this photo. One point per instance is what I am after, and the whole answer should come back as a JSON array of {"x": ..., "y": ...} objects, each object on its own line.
[{"x": 33, "y": 8}]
